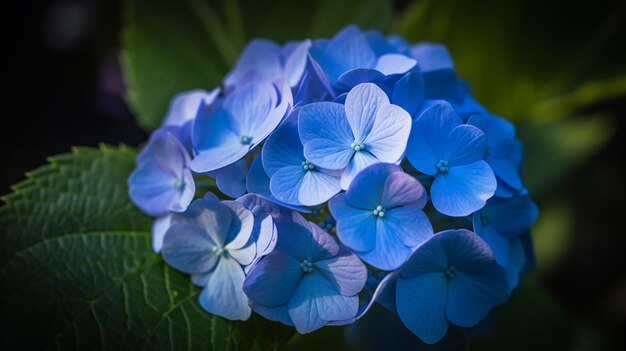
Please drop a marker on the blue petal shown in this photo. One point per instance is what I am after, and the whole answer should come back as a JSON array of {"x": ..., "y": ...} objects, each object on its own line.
[
  {"x": 428, "y": 258},
  {"x": 401, "y": 189},
  {"x": 408, "y": 92},
  {"x": 499, "y": 244},
  {"x": 432, "y": 57},
  {"x": 184, "y": 106},
  {"x": 465, "y": 144},
  {"x": 360, "y": 161},
  {"x": 240, "y": 226},
  {"x": 285, "y": 184},
  {"x": 316, "y": 302},
  {"x": 328, "y": 153},
  {"x": 410, "y": 224},
  {"x": 314, "y": 86},
  {"x": 463, "y": 190},
  {"x": 347, "y": 50},
  {"x": 327, "y": 121},
  {"x": 302, "y": 239},
  {"x": 260, "y": 56},
  {"x": 153, "y": 190},
  {"x": 217, "y": 142},
  {"x": 366, "y": 190},
  {"x": 506, "y": 171},
  {"x": 189, "y": 249},
  {"x": 283, "y": 147},
  {"x": 223, "y": 294},
  {"x": 296, "y": 55},
  {"x": 317, "y": 187},
  {"x": 471, "y": 296},
  {"x": 356, "y": 76},
  {"x": 517, "y": 260},
  {"x": 421, "y": 305},
  {"x": 210, "y": 216},
  {"x": 250, "y": 105},
  {"x": 259, "y": 183},
  {"x": 355, "y": 227},
  {"x": 277, "y": 314},
  {"x": 231, "y": 180},
  {"x": 512, "y": 216},
  {"x": 389, "y": 64},
  {"x": 429, "y": 134},
  {"x": 362, "y": 104},
  {"x": 500, "y": 133},
  {"x": 272, "y": 281},
  {"x": 264, "y": 231},
  {"x": 389, "y": 134},
  {"x": 345, "y": 271},
  {"x": 389, "y": 251},
  {"x": 159, "y": 228}
]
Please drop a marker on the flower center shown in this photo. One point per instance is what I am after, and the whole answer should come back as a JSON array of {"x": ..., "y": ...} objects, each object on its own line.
[
  {"x": 451, "y": 272},
  {"x": 179, "y": 184},
  {"x": 308, "y": 166},
  {"x": 218, "y": 251},
  {"x": 357, "y": 146},
  {"x": 442, "y": 166},
  {"x": 379, "y": 211},
  {"x": 306, "y": 266},
  {"x": 245, "y": 140}
]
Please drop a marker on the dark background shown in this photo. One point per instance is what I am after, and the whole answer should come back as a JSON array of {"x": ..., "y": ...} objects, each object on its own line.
[{"x": 62, "y": 86}]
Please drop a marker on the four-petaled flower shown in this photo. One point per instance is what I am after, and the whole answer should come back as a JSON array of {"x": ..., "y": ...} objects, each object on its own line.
[
  {"x": 380, "y": 217},
  {"x": 366, "y": 130},
  {"x": 162, "y": 181},
  {"x": 211, "y": 241},
  {"x": 442, "y": 146},
  {"x": 309, "y": 280},
  {"x": 452, "y": 278}
]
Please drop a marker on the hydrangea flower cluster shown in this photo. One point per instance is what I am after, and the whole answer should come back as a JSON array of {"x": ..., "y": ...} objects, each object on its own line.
[{"x": 326, "y": 176}]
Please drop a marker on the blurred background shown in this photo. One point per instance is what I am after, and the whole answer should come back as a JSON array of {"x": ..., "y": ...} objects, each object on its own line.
[{"x": 556, "y": 68}]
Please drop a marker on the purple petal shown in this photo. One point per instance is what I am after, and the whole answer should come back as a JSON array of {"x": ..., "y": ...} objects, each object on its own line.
[
  {"x": 159, "y": 228},
  {"x": 302, "y": 239},
  {"x": 401, "y": 189},
  {"x": 316, "y": 301},
  {"x": 345, "y": 271},
  {"x": 231, "y": 180}
]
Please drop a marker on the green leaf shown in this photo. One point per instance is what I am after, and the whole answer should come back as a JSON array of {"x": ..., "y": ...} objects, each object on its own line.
[
  {"x": 172, "y": 46},
  {"x": 521, "y": 52},
  {"x": 78, "y": 271}
]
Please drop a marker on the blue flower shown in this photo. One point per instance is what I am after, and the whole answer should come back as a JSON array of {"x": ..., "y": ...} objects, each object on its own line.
[
  {"x": 266, "y": 59},
  {"x": 380, "y": 217},
  {"x": 441, "y": 80},
  {"x": 293, "y": 178},
  {"x": 442, "y": 146},
  {"x": 162, "y": 181},
  {"x": 500, "y": 223},
  {"x": 211, "y": 241},
  {"x": 308, "y": 281},
  {"x": 184, "y": 106},
  {"x": 227, "y": 130},
  {"x": 452, "y": 278},
  {"x": 264, "y": 232},
  {"x": 503, "y": 153},
  {"x": 367, "y": 130}
]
